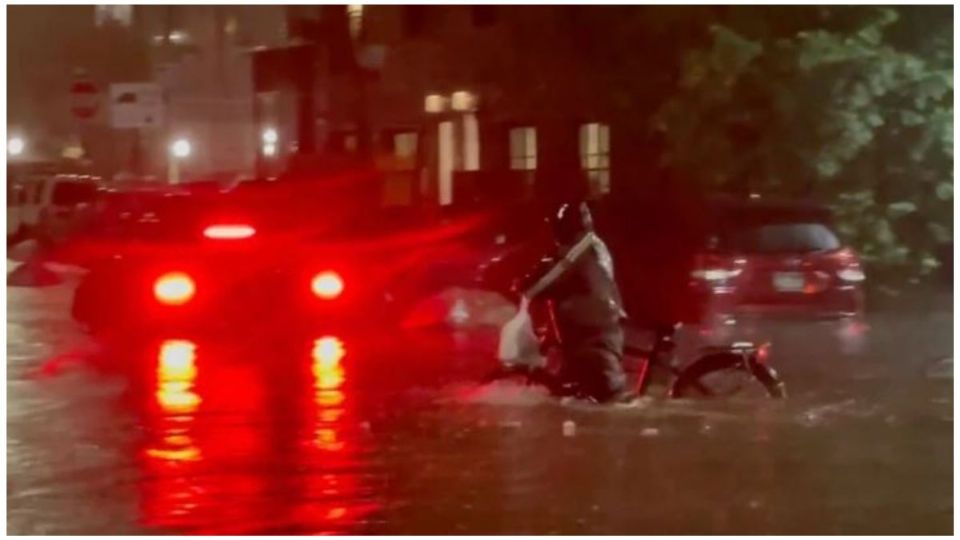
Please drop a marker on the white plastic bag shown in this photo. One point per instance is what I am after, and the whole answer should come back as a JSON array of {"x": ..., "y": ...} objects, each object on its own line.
[{"x": 518, "y": 342}]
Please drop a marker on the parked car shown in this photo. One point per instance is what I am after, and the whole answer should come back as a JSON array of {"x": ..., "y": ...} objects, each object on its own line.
[
  {"x": 49, "y": 207},
  {"x": 705, "y": 262},
  {"x": 780, "y": 259}
]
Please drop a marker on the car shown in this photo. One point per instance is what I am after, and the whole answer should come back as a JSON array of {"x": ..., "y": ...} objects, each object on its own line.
[
  {"x": 780, "y": 259},
  {"x": 50, "y": 207},
  {"x": 708, "y": 261},
  {"x": 269, "y": 256}
]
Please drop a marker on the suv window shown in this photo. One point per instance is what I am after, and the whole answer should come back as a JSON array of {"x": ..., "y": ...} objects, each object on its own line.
[
  {"x": 73, "y": 193},
  {"x": 782, "y": 238}
]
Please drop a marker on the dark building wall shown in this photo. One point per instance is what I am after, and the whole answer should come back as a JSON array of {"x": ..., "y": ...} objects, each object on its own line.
[{"x": 553, "y": 67}]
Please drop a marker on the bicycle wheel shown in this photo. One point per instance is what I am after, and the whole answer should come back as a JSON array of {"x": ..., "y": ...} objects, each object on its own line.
[{"x": 726, "y": 374}]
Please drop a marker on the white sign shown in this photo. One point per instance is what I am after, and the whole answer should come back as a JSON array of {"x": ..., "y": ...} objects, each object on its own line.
[{"x": 136, "y": 105}]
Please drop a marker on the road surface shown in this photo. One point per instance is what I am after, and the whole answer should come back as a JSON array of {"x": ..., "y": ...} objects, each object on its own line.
[{"x": 244, "y": 435}]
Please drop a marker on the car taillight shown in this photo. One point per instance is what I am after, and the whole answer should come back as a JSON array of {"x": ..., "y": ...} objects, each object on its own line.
[
  {"x": 852, "y": 274},
  {"x": 229, "y": 232},
  {"x": 715, "y": 268},
  {"x": 763, "y": 353},
  {"x": 716, "y": 274},
  {"x": 327, "y": 285},
  {"x": 174, "y": 288},
  {"x": 848, "y": 266}
]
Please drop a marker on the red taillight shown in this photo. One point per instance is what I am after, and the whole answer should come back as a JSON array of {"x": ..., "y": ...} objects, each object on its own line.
[
  {"x": 174, "y": 289},
  {"x": 847, "y": 265},
  {"x": 327, "y": 285},
  {"x": 229, "y": 232},
  {"x": 715, "y": 268},
  {"x": 763, "y": 353}
]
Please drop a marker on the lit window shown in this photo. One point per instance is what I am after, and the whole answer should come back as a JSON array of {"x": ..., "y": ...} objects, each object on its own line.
[
  {"x": 523, "y": 148},
  {"x": 355, "y": 19},
  {"x": 405, "y": 150},
  {"x": 595, "y": 156},
  {"x": 178, "y": 36},
  {"x": 116, "y": 14},
  {"x": 230, "y": 27}
]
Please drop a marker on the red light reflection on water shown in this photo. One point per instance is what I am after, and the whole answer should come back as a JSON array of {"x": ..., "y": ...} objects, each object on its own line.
[
  {"x": 224, "y": 445},
  {"x": 176, "y": 375},
  {"x": 328, "y": 377}
]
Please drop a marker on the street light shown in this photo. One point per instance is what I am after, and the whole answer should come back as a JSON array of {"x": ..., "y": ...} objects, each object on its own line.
[
  {"x": 179, "y": 149},
  {"x": 16, "y": 146}
]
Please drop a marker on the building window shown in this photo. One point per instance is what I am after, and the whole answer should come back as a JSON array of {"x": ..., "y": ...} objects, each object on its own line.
[
  {"x": 355, "y": 20},
  {"x": 484, "y": 15},
  {"x": 595, "y": 156},
  {"x": 523, "y": 148},
  {"x": 405, "y": 150},
  {"x": 113, "y": 14}
]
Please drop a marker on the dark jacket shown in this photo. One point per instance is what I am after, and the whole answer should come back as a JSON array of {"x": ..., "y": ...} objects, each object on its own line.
[{"x": 587, "y": 303}]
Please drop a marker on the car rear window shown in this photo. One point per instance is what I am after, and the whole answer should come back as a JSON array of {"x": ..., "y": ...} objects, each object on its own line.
[
  {"x": 73, "y": 193},
  {"x": 782, "y": 238},
  {"x": 148, "y": 217}
]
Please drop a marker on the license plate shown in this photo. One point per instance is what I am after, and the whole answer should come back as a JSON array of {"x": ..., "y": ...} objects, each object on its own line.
[{"x": 788, "y": 281}]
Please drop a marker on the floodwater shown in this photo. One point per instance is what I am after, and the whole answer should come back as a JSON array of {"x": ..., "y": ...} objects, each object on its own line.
[{"x": 387, "y": 434}]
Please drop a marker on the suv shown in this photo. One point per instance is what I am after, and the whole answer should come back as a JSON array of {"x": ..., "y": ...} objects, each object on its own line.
[
  {"x": 52, "y": 207},
  {"x": 703, "y": 262},
  {"x": 779, "y": 259}
]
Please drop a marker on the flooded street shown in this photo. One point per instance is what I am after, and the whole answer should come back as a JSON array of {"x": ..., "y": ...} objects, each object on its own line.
[{"x": 387, "y": 434}]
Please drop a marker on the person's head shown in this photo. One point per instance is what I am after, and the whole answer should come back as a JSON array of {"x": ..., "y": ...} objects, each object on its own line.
[{"x": 570, "y": 221}]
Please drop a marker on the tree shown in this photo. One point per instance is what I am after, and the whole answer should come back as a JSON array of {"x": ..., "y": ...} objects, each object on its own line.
[{"x": 844, "y": 113}]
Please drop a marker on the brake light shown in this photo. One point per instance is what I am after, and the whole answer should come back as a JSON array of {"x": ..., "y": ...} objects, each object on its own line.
[
  {"x": 714, "y": 268},
  {"x": 851, "y": 274},
  {"x": 716, "y": 274},
  {"x": 327, "y": 285},
  {"x": 229, "y": 232},
  {"x": 763, "y": 353},
  {"x": 174, "y": 289},
  {"x": 849, "y": 266}
]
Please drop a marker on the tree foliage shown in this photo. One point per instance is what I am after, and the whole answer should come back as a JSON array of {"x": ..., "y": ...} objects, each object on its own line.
[{"x": 845, "y": 115}]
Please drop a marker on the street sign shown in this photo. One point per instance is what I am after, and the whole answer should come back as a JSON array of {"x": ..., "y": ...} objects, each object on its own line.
[
  {"x": 84, "y": 98},
  {"x": 136, "y": 105}
]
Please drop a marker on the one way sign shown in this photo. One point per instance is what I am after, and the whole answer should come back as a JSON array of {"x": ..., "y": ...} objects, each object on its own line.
[{"x": 136, "y": 105}]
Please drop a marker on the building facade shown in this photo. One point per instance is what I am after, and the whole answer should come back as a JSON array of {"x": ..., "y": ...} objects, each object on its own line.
[
  {"x": 439, "y": 98},
  {"x": 442, "y": 97}
]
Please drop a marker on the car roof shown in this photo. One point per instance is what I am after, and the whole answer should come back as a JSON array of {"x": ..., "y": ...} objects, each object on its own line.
[{"x": 754, "y": 210}]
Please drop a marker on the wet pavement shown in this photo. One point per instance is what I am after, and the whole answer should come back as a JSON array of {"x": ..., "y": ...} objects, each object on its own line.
[{"x": 372, "y": 433}]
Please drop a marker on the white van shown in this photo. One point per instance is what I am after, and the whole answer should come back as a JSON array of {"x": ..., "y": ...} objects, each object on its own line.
[{"x": 48, "y": 205}]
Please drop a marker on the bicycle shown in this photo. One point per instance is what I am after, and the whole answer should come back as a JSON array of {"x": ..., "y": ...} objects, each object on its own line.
[{"x": 741, "y": 357}]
